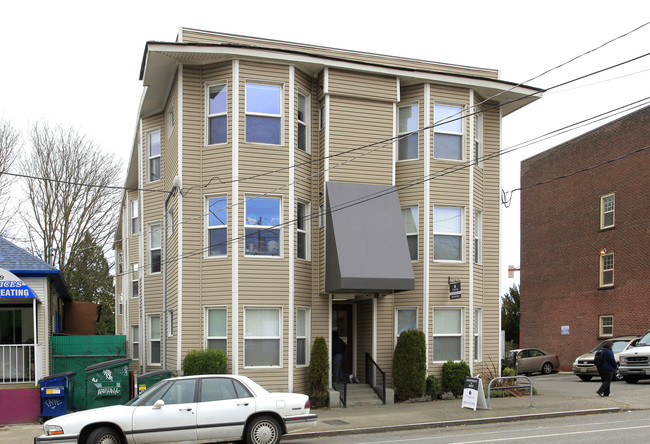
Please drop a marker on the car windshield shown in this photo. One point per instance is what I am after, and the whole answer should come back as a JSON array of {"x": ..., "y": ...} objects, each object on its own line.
[
  {"x": 142, "y": 397},
  {"x": 645, "y": 340},
  {"x": 617, "y": 346}
]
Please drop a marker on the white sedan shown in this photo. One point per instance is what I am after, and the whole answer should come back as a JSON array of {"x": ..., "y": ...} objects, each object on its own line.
[{"x": 193, "y": 409}]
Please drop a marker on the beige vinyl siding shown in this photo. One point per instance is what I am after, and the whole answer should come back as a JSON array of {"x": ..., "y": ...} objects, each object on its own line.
[
  {"x": 364, "y": 337},
  {"x": 362, "y": 86},
  {"x": 216, "y": 160},
  {"x": 367, "y": 59},
  {"x": 354, "y": 124},
  {"x": 386, "y": 336}
]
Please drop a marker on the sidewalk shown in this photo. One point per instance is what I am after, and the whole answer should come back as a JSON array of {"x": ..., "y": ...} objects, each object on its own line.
[{"x": 368, "y": 419}]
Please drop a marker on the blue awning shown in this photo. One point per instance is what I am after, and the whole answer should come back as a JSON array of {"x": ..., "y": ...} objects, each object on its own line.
[{"x": 12, "y": 287}]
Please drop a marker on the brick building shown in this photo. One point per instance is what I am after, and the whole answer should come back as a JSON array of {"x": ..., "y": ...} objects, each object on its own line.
[{"x": 585, "y": 239}]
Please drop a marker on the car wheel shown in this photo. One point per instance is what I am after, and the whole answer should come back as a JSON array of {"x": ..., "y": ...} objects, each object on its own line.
[
  {"x": 631, "y": 379},
  {"x": 104, "y": 435},
  {"x": 547, "y": 368},
  {"x": 263, "y": 430},
  {"x": 617, "y": 376},
  {"x": 585, "y": 378}
]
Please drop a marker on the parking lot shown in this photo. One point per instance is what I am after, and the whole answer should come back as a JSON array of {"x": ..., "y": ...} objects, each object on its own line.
[{"x": 569, "y": 384}]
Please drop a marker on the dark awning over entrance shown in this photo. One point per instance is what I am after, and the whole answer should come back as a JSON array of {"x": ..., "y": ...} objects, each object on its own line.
[{"x": 366, "y": 247}]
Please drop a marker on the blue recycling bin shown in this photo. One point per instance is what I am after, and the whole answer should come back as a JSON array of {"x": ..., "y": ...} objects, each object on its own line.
[{"x": 57, "y": 394}]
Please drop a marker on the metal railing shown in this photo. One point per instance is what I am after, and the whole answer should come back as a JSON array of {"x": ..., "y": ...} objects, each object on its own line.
[
  {"x": 529, "y": 386},
  {"x": 17, "y": 363},
  {"x": 372, "y": 373}
]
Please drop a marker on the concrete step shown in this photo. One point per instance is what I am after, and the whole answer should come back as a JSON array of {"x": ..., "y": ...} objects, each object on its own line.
[{"x": 359, "y": 394}]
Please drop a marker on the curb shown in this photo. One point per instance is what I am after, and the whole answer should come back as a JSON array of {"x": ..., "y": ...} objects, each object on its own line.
[{"x": 451, "y": 423}]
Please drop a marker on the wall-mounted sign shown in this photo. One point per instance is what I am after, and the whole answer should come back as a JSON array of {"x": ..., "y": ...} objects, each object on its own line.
[
  {"x": 454, "y": 289},
  {"x": 565, "y": 329}
]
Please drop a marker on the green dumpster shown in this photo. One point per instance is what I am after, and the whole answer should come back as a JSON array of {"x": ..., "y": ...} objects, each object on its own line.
[
  {"x": 107, "y": 383},
  {"x": 146, "y": 380}
]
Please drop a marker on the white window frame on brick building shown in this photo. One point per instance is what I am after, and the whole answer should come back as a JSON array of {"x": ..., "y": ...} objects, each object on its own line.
[
  {"x": 607, "y": 203},
  {"x": 606, "y": 326},
  {"x": 606, "y": 270}
]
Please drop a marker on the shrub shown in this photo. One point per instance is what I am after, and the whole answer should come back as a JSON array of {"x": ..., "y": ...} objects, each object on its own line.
[
  {"x": 318, "y": 373},
  {"x": 433, "y": 387},
  {"x": 508, "y": 372},
  {"x": 409, "y": 365},
  {"x": 453, "y": 376},
  {"x": 205, "y": 362}
]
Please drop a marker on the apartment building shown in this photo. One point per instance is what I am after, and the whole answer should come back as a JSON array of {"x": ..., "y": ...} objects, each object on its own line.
[
  {"x": 585, "y": 249},
  {"x": 279, "y": 192}
]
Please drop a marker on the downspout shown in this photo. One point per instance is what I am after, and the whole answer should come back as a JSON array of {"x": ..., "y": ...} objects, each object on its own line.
[{"x": 176, "y": 185}]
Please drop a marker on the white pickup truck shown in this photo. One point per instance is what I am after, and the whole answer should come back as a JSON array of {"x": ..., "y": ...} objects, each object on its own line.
[{"x": 634, "y": 363}]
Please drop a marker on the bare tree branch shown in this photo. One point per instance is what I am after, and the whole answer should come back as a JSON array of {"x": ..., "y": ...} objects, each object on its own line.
[{"x": 9, "y": 149}]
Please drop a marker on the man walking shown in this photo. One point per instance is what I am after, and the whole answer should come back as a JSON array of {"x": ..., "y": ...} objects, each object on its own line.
[{"x": 606, "y": 369}]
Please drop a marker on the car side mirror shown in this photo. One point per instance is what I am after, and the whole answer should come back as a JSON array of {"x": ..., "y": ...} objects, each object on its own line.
[{"x": 158, "y": 404}]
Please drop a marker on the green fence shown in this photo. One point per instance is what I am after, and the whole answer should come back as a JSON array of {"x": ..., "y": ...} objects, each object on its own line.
[{"x": 75, "y": 353}]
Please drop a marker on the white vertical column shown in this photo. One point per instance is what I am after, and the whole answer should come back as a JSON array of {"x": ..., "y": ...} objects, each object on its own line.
[
  {"x": 470, "y": 120},
  {"x": 292, "y": 225},
  {"x": 234, "y": 246},
  {"x": 426, "y": 210}
]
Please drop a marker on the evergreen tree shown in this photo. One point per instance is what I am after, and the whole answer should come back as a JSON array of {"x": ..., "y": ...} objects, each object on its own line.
[
  {"x": 510, "y": 314},
  {"x": 87, "y": 274}
]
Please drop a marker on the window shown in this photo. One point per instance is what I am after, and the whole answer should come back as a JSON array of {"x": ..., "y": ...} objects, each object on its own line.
[
  {"x": 478, "y": 334},
  {"x": 321, "y": 117},
  {"x": 607, "y": 270},
  {"x": 407, "y": 319},
  {"x": 153, "y": 147},
  {"x": 222, "y": 389},
  {"x": 170, "y": 118},
  {"x": 303, "y": 122},
  {"x": 262, "y": 226},
  {"x": 216, "y": 322},
  {"x": 407, "y": 145},
  {"x": 606, "y": 326},
  {"x": 170, "y": 221},
  {"x": 170, "y": 323},
  {"x": 607, "y": 211},
  {"x": 154, "y": 248},
  {"x": 263, "y": 113},
  {"x": 217, "y": 114},
  {"x": 135, "y": 342},
  {"x": 447, "y": 334},
  {"x": 217, "y": 235},
  {"x": 321, "y": 216},
  {"x": 261, "y": 337},
  {"x": 410, "y": 218},
  {"x": 478, "y": 235},
  {"x": 447, "y": 233},
  {"x": 302, "y": 336},
  {"x": 478, "y": 137},
  {"x": 120, "y": 263},
  {"x": 154, "y": 339},
  {"x": 135, "y": 218},
  {"x": 448, "y": 132},
  {"x": 135, "y": 276},
  {"x": 302, "y": 230}
]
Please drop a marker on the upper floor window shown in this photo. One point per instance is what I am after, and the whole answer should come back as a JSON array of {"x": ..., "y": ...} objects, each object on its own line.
[
  {"x": 170, "y": 118},
  {"x": 410, "y": 217},
  {"x": 407, "y": 145},
  {"x": 478, "y": 137},
  {"x": 478, "y": 237},
  {"x": 262, "y": 226},
  {"x": 448, "y": 132},
  {"x": 448, "y": 233},
  {"x": 607, "y": 270},
  {"x": 216, "y": 323},
  {"x": 135, "y": 218},
  {"x": 217, "y": 226},
  {"x": 303, "y": 123},
  {"x": 302, "y": 230},
  {"x": 605, "y": 326},
  {"x": 607, "y": 211},
  {"x": 153, "y": 148},
  {"x": 135, "y": 277},
  {"x": 154, "y": 248},
  {"x": 263, "y": 113},
  {"x": 217, "y": 114}
]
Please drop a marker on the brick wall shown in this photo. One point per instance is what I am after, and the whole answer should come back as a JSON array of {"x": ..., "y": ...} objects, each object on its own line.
[{"x": 561, "y": 238}]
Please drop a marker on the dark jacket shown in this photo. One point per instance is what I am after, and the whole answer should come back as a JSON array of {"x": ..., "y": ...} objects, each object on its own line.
[{"x": 609, "y": 362}]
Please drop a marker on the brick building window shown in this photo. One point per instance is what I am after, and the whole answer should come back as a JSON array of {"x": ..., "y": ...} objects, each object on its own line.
[
  {"x": 605, "y": 326},
  {"x": 606, "y": 270},
  {"x": 607, "y": 211}
]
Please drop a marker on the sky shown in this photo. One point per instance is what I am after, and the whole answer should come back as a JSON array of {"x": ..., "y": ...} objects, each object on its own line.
[{"x": 77, "y": 63}]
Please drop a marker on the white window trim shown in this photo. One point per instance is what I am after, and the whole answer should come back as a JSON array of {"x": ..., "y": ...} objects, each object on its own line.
[
  {"x": 478, "y": 138},
  {"x": 120, "y": 263},
  {"x": 602, "y": 270},
  {"x": 306, "y": 122},
  {"x": 279, "y": 338},
  {"x": 306, "y": 230},
  {"x": 151, "y": 249},
  {"x": 208, "y": 115},
  {"x": 417, "y": 118},
  {"x": 462, "y": 332},
  {"x": 150, "y": 157},
  {"x": 135, "y": 340},
  {"x": 462, "y": 235},
  {"x": 150, "y": 340},
  {"x": 321, "y": 117},
  {"x": 417, "y": 233},
  {"x": 208, "y": 227},
  {"x": 461, "y": 133},
  {"x": 603, "y": 213},
  {"x": 396, "y": 327},
  {"x": 279, "y": 116},
  {"x": 478, "y": 334},
  {"x": 170, "y": 323},
  {"x": 135, "y": 219},
  {"x": 601, "y": 326},
  {"x": 206, "y": 327},
  {"x": 307, "y": 336},
  {"x": 477, "y": 243},
  {"x": 277, "y": 227},
  {"x": 135, "y": 279}
]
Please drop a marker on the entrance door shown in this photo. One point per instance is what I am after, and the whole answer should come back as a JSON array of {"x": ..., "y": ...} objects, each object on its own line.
[{"x": 342, "y": 323}]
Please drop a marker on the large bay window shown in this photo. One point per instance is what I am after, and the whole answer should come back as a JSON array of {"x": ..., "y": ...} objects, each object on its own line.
[
  {"x": 263, "y": 113},
  {"x": 262, "y": 337},
  {"x": 448, "y": 233},
  {"x": 262, "y": 226}
]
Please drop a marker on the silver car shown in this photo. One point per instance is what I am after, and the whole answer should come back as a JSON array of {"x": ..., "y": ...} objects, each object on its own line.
[
  {"x": 201, "y": 409},
  {"x": 583, "y": 366}
]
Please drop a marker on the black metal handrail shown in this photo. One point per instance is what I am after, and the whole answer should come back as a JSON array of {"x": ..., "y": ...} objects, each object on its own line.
[{"x": 371, "y": 380}]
